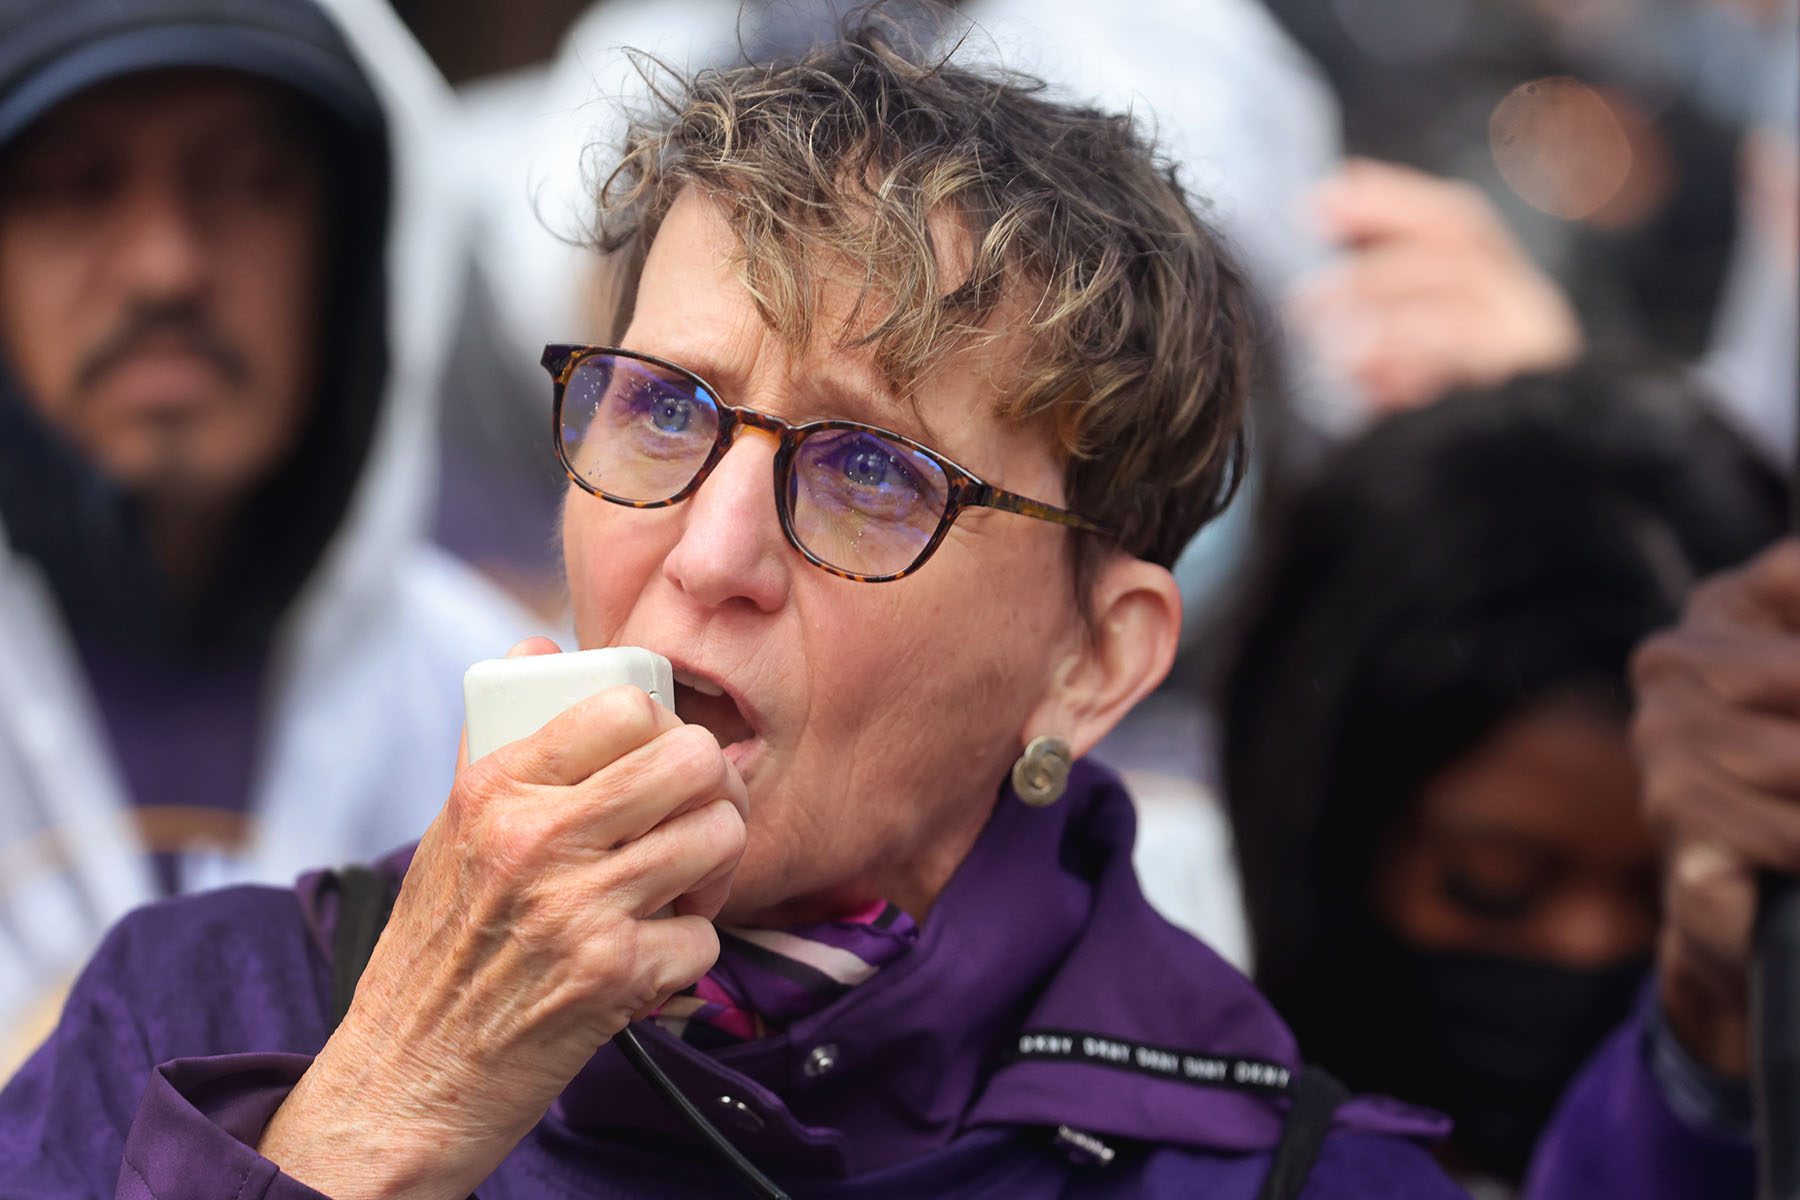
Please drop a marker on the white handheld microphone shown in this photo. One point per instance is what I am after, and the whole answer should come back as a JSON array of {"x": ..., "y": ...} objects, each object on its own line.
[{"x": 505, "y": 699}]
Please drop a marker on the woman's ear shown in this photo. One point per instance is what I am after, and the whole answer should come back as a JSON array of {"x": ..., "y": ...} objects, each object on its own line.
[{"x": 1130, "y": 642}]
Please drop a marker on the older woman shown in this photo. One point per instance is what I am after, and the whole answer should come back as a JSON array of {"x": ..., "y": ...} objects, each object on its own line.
[{"x": 922, "y": 383}]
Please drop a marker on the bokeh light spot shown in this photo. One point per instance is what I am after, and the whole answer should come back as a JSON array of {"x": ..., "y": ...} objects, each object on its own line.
[{"x": 1560, "y": 146}]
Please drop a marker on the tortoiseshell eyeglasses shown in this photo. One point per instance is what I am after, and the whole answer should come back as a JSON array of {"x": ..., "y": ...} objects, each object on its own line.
[{"x": 859, "y": 501}]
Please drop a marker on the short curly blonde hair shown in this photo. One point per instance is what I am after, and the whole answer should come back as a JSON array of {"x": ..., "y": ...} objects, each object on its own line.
[{"x": 1139, "y": 326}]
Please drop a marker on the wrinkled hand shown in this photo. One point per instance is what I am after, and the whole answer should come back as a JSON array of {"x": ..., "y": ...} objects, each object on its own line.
[
  {"x": 1433, "y": 292},
  {"x": 1718, "y": 735},
  {"x": 522, "y": 940}
]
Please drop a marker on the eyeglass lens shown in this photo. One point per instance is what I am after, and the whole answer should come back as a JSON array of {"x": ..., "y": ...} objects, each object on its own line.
[{"x": 639, "y": 433}]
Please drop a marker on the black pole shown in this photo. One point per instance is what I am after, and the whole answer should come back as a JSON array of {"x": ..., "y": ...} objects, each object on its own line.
[
  {"x": 1775, "y": 1065},
  {"x": 1775, "y": 1007}
]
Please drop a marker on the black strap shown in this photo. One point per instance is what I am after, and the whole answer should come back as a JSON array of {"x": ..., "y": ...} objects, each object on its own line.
[
  {"x": 1316, "y": 1097},
  {"x": 365, "y": 901}
]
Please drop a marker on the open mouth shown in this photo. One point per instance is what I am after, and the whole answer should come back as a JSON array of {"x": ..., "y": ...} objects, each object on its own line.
[{"x": 702, "y": 701}]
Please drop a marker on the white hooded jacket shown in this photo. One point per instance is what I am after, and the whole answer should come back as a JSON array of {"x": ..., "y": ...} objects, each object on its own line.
[{"x": 361, "y": 697}]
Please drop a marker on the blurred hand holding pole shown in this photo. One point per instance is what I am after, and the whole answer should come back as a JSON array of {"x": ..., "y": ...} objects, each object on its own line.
[
  {"x": 1717, "y": 732},
  {"x": 1775, "y": 984}
]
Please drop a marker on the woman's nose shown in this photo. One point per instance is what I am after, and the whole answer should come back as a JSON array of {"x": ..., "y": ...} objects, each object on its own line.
[{"x": 731, "y": 548}]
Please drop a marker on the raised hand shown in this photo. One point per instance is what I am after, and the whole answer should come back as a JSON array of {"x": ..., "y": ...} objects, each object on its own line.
[
  {"x": 522, "y": 941},
  {"x": 1433, "y": 291}
]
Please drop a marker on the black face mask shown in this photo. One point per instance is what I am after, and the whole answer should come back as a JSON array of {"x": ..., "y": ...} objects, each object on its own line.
[{"x": 1497, "y": 1040}]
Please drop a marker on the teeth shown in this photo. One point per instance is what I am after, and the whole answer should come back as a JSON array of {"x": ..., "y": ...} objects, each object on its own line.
[{"x": 705, "y": 687}]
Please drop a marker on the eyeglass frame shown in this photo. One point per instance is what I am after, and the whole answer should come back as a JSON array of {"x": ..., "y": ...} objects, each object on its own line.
[{"x": 966, "y": 489}]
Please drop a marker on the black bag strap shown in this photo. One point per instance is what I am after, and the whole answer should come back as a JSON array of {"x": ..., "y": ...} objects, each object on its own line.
[
  {"x": 365, "y": 901},
  {"x": 1316, "y": 1097}
]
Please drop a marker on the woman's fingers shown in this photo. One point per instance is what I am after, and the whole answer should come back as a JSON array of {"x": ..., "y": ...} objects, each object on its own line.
[
  {"x": 707, "y": 897},
  {"x": 520, "y": 837},
  {"x": 684, "y": 949},
  {"x": 586, "y": 737},
  {"x": 678, "y": 855},
  {"x": 680, "y": 770}
]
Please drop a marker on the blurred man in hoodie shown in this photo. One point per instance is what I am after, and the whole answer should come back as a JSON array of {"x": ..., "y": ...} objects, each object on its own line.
[{"x": 225, "y": 650}]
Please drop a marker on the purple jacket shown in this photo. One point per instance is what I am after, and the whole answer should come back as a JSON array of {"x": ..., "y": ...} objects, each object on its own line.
[
  {"x": 1615, "y": 1135},
  {"x": 197, "y": 1015}
]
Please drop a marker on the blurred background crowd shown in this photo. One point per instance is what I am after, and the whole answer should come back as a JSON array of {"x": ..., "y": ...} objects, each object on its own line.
[{"x": 1530, "y": 270}]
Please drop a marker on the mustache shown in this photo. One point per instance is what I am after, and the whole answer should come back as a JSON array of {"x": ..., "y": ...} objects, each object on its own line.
[{"x": 184, "y": 324}]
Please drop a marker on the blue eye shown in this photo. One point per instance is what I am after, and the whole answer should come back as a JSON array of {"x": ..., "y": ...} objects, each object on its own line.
[
  {"x": 853, "y": 471},
  {"x": 671, "y": 413},
  {"x": 870, "y": 465},
  {"x": 664, "y": 408}
]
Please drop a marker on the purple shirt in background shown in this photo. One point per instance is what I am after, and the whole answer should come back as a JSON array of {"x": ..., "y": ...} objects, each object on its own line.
[
  {"x": 198, "y": 1015},
  {"x": 185, "y": 740}
]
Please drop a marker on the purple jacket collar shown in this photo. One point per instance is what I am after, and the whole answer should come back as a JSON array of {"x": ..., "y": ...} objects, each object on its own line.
[{"x": 1042, "y": 927}]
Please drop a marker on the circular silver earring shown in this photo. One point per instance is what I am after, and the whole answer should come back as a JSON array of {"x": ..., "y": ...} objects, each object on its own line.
[{"x": 1041, "y": 774}]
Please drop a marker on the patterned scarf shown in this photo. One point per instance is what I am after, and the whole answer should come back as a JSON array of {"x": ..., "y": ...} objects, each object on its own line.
[{"x": 765, "y": 979}]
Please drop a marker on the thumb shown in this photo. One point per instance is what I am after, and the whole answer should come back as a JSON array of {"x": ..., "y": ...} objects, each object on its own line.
[{"x": 533, "y": 646}]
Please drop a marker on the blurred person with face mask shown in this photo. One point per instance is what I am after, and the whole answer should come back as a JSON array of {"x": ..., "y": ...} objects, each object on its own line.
[
  {"x": 224, "y": 650},
  {"x": 1451, "y": 894}
]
